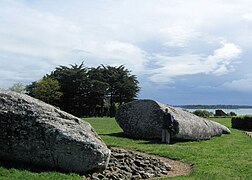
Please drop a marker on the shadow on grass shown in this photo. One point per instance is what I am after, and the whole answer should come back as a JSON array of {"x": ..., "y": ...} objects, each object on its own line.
[
  {"x": 119, "y": 134},
  {"x": 21, "y": 166},
  {"x": 146, "y": 141},
  {"x": 158, "y": 141},
  {"x": 8, "y": 164}
]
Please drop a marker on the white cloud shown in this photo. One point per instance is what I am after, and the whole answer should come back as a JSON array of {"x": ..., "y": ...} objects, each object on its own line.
[
  {"x": 222, "y": 58},
  {"x": 227, "y": 51},
  {"x": 114, "y": 53},
  {"x": 241, "y": 85},
  {"x": 247, "y": 16},
  {"x": 219, "y": 63},
  {"x": 42, "y": 40},
  {"x": 178, "y": 35},
  {"x": 29, "y": 32},
  {"x": 38, "y": 35}
]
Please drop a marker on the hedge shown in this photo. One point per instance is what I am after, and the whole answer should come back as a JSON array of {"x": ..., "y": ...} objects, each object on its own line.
[{"x": 242, "y": 122}]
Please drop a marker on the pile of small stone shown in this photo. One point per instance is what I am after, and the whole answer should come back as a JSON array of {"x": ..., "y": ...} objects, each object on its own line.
[{"x": 126, "y": 164}]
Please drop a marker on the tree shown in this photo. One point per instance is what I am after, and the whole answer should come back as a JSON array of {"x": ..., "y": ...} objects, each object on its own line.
[
  {"x": 86, "y": 91},
  {"x": 75, "y": 85},
  {"x": 127, "y": 88},
  {"x": 98, "y": 89},
  {"x": 18, "y": 87},
  {"x": 122, "y": 86},
  {"x": 46, "y": 89},
  {"x": 29, "y": 89}
]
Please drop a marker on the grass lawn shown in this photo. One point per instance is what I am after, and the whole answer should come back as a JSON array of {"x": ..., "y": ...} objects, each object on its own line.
[{"x": 225, "y": 157}]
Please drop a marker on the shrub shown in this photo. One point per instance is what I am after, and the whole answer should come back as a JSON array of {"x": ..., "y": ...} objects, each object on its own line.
[
  {"x": 202, "y": 113},
  {"x": 231, "y": 114},
  {"x": 242, "y": 122}
]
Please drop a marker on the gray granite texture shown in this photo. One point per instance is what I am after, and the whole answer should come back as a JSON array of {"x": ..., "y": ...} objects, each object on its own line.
[
  {"x": 39, "y": 134},
  {"x": 143, "y": 119}
]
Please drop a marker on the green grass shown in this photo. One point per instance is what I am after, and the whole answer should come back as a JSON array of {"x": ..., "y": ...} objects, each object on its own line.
[
  {"x": 225, "y": 157},
  {"x": 18, "y": 174}
]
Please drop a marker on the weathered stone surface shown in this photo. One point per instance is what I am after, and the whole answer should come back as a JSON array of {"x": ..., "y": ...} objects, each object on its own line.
[
  {"x": 39, "y": 134},
  {"x": 143, "y": 119}
]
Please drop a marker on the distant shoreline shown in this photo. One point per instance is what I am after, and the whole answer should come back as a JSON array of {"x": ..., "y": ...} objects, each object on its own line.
[{"x": 215, "y": 106}]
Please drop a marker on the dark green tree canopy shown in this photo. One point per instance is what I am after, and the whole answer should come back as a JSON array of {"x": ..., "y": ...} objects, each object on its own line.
[
  {"x": 122, "y": 85},
  {"x": 88, "y": 91},
  {"x": 74, "y": 84}
]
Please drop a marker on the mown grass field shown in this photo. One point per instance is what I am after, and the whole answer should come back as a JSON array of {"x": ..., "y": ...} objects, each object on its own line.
[{"x": 225, "y": 157}]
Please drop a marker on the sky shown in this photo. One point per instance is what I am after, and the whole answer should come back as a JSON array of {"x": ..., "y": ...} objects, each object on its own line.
[{"x": 182, "y": 52}]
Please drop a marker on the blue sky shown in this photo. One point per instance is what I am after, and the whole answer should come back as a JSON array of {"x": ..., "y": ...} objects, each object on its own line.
[{"x": 183, "y": 52}]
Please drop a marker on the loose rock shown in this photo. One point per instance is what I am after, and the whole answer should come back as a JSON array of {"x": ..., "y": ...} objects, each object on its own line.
[{"x": 142, "y": 168}]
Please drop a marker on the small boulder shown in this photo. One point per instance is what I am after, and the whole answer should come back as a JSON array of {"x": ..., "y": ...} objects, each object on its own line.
[
  {"x": 143, "y": 119},
  {"x": 39, "y": 134}
]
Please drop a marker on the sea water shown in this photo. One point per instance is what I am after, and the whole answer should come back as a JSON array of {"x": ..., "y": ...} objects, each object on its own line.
[{"x": 239, "y": 112}]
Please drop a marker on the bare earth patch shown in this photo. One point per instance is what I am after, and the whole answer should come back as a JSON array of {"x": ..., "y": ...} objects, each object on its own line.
[{"x": 178, "y": 168}]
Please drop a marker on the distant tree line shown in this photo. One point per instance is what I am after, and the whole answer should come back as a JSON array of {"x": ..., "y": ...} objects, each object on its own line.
[
  {"x": 218, "y": 113},
  {"x": 220, "y": 106},
  {"x": 84, "y": 91}
]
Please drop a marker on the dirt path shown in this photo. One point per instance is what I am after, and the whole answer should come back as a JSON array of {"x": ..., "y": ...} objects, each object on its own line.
[{"x": 178, "y": 168}]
